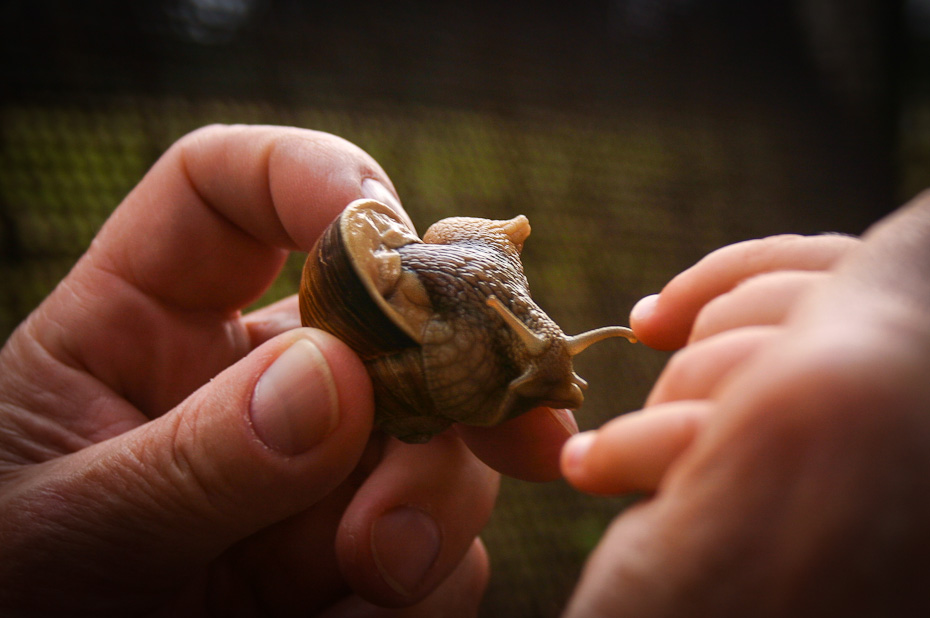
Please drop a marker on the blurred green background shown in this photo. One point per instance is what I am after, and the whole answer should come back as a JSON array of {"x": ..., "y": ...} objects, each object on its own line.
[{"x": 636, "y": 135}]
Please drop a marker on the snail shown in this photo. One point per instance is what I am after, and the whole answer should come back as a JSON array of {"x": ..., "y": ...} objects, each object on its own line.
[{"x": 445, "y": 325}]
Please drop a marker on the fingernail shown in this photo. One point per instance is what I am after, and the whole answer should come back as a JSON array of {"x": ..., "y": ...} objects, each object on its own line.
[
  {"x": 374, "y": 189},
  {"x": 576, "y": 450},
  {"x": 643, "y": 309},
  {"x": 566, "y": 419},
  {"x": 405, "y": 542},
  {"x": 295, "y": 405}
]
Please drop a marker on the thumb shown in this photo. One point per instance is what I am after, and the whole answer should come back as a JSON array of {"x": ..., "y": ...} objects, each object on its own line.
[{"x": 265, "y": 439}]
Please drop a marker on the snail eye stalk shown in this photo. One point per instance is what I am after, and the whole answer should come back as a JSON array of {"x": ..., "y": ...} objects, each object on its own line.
[{"x": 535, "y": 344}]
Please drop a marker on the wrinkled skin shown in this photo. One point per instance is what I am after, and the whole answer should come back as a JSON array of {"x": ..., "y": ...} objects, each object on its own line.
[{"x": 144, "y": 470}]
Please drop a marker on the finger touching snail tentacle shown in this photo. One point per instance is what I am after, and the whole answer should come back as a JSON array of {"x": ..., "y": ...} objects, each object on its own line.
[{"x": 445, "y": 325}]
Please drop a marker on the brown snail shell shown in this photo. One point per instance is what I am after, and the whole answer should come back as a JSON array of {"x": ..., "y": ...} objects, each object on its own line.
[{"x": 445, "y": 325}]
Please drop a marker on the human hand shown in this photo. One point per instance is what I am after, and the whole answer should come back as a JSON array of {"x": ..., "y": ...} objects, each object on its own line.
[
  {"x": 786, "y": 456},
  {"x": 162, "y": 454},
  {"x": 718, "y": 314}
]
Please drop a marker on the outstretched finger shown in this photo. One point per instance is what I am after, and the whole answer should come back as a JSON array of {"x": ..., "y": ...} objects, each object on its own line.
[
  {"x": 696, "y": 371},
  {"x": 665, "y": 321},
  {"x": 633, "y": 452},
  {"x": 759, "y": 301}
]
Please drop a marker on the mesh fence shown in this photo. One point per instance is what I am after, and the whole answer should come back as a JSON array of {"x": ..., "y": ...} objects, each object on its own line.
[{"x": 693, "y": 130}]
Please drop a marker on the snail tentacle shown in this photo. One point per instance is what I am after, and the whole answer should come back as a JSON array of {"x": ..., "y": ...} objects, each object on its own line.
[
  {"x": 535, "y": 345},
  {"x": 581, "y": 342}
]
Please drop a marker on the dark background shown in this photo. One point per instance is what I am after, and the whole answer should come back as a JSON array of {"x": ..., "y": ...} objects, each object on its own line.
[{"x": 637, "y": 135}]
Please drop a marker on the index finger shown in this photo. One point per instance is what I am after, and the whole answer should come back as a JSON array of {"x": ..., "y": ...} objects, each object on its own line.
[
  {"x": 664, "y": 321},
  {"x": 151, "y": 310},
  {"x": 209, "y": 226}
]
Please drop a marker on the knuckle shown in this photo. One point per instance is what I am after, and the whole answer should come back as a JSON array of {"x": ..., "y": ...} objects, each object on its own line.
[{"x": 180, "y": 472}]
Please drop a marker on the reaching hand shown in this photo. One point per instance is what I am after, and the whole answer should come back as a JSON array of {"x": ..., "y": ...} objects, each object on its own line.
[
  {"x": 720, "y": 312},
  {"x": 786, "y": 448}
]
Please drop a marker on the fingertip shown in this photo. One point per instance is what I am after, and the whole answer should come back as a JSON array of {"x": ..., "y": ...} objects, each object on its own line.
[
  {"x": 565, "y": 418},
  {"x": 653, "y": 327},
  {"x": 315, "y": 391},
  {"x": 405, "y": 543},
  {"x": 295, "y": 405},
  {"x": 412, "y": 521},
  {"x": 352, "y": 381},
  {"x": 312, "y": 402},
  {"x": 643, "y": 310},
  {"x": 574, "y": 454},
  {"x": 460, "y": 594},
  {"x": 272, "y": 320},
  {"x": 374, "y": 189},
  {"x": 477, "y": 568},
  {"x": 632, "y": 452}
]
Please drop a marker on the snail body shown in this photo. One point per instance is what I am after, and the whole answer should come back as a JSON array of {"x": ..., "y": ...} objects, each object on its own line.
[{"x": 445, "y": 325}]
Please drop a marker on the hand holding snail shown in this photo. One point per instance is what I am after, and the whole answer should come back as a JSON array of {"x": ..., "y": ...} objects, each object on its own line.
[
  {"x": 160, "y": 448},
  {"x": 445, "y": 325}
]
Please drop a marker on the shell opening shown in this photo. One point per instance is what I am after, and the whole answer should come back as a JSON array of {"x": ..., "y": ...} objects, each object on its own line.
[
  {"x": 579, "y": 343},
  {"x": 535, "y": 344}
]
